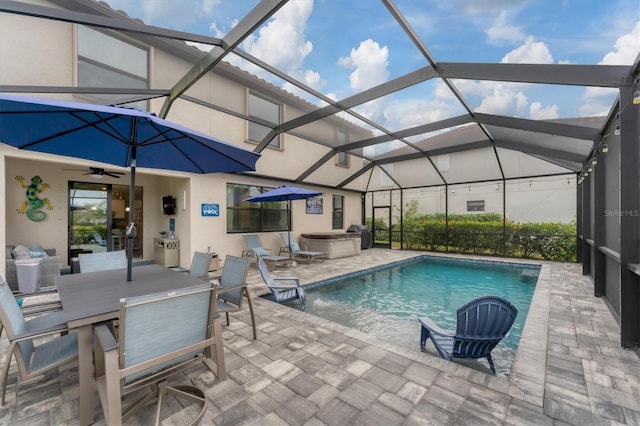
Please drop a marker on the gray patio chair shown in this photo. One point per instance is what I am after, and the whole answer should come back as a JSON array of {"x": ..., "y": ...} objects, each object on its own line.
[
  {"x": 282, "y": 293},
  {"x": 45, "y": 313},
  {"x": 299, "y": 254},
  {"x": 160, "y": 334},
  {"x": 233, "y": 288},
  {"x": 256, "y": 250},
  {"x": 200, "y": 264},
  {"x": 33, "y": 343},
  {"x": 102, "y": 261},
  {"x": 481, "y": 324}
]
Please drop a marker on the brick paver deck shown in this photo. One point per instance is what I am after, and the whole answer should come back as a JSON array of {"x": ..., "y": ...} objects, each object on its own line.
[{"x": 302, "y": 370}]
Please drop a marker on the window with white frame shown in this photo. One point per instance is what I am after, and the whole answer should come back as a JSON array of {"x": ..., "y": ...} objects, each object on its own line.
[
  {"x": 105, "y": 61},
  {"x": 262, "y": 110},
  {"x": 342, "y": 158},
  {"x": 475, "y": 206}
]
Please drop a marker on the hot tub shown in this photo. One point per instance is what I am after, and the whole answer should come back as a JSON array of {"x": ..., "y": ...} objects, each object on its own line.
[{"x": 333, "y": 244}]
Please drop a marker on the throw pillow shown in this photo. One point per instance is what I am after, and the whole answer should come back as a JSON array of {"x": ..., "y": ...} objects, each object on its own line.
[
  {"x": 37, "y": 251},
  {"x": 258, "y": 252},
  {"x": 20, "y": 252}
]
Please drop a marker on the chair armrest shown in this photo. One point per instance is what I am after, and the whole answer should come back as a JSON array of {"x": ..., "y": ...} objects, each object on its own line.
[
  {"x": 39, "y": 333},
  {"x": 295, "y": 279},
  {"x": 220, "y": 289},
  {"x": 434, "y": 328},
  {"x": 105, "y": 338},
  {"x": 284, "y": 287}
]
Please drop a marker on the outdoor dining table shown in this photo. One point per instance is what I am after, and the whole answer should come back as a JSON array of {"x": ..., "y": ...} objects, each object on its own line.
[{"x": 93, "y": 297}]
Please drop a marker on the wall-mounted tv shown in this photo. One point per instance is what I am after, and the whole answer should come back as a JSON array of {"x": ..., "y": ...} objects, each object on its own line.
[{"x": 168, "y": 205}]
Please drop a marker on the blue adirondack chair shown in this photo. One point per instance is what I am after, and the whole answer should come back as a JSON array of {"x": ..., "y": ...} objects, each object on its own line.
[{"x": 481, "y": 324}]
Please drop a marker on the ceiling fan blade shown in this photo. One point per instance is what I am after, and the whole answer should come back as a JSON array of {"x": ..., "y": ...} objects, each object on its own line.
[{"x": 112, "y": 174}]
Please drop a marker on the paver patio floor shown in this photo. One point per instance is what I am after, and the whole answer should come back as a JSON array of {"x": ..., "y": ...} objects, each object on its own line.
[{"x": 303, "y": 370}]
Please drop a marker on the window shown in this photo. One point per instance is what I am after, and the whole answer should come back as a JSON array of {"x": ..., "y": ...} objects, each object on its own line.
[
  {"x": 105, "y": 61},
  {"x": 262, "y": 110},
  {"x": 244, "y": 216},
  {"x": 337, "y": 212},
  {"x": 475, "y": 206},
  {"x": 443, "y": 162},
  {"x": 385, "y": 175},
  {"x": 342, "y": 159}
]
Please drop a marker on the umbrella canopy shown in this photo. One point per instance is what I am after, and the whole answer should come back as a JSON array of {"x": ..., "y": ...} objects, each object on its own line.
[
  {"x": 285, "y": 193},
  {"x": 120, "y": 136}
]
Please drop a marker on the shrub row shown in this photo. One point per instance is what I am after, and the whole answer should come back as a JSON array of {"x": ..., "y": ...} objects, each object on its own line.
[
  {"x": 480, "y": 233},
  {"x": 551, "y": 241}
]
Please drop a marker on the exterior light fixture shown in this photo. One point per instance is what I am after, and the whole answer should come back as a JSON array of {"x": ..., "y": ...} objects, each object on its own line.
[
  {"x": 617, "y": 130},
  {"x": 605, "y": 148},
  {"x": 589, "y": 169},
  {"x": 636, "y": 97},
  {"x": 594, "y": 161}
]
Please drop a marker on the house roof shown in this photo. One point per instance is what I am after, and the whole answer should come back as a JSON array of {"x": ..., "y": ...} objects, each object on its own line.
[{"x": 549, "y": 146}]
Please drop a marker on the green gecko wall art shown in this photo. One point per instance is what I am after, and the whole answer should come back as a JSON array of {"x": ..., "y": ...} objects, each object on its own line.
[{"x": 31, "y": 207}]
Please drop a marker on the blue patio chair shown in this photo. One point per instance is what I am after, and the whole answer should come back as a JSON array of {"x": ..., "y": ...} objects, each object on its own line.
[
  {"x": 297, "y": 252},
  {"x": 160, "y": 335},
  {"x": 233, "y": 289},
  {"x": 36, "y": 344},
  {"x": 282, "y": 293},
  {"x": 481, "y": 324},
  {"x": 256, "y": 250},
  {"x": 102, "y": 261},
  {"x": 99, "y": 240}
]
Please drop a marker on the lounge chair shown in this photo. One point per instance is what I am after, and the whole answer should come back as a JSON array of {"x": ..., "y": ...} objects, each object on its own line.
[
  {"x": 160, "y": 334},
  {"x": 233, "y": 288},
  {"x": 36, "y": 345},
  {"x": 99, "y": 240},
  {"x": 481, "y": 324},
  {"x": 257, "y": 250},
  {"x": 282, "y": 293},
  {"x": 102, "y": 261},
  {"x": 298, "y": 253}
]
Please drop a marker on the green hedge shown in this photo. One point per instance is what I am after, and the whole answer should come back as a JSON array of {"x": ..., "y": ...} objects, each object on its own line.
[{"x": 483, "y": 233}]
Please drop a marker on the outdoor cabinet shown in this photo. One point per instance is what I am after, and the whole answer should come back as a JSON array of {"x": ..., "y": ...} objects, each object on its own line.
[{"x": 167, "y": 252}]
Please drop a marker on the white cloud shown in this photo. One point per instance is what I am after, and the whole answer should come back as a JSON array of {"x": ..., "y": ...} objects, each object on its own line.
[
  {"x": 597, "y": 100},
  {"x": 537, "y": 112},
  {"x": 281, "y": 42},
  {"x": 410, "y": 113},
  {"x": 369, "y": 62},
  {"x": 531, "y": 52},
  {"x": 500, "y": 102},
  {"x": 626, "y": 48},
  {"x": 501, "y": 31}
]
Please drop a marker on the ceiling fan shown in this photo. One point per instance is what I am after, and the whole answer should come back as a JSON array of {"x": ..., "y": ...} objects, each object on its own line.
[{"x": 98, "y": 173}]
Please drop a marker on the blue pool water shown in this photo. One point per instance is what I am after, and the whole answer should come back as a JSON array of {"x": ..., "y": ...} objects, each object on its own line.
[{"x": 387, "y": 303}]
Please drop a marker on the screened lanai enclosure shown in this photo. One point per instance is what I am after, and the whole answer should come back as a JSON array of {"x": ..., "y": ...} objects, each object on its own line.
[{"x": 436, "y": 168}]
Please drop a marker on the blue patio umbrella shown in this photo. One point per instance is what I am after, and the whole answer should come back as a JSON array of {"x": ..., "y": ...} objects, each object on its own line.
[
  {"x": 285, "y": 193},
  {"x": 121, "y": 136}
]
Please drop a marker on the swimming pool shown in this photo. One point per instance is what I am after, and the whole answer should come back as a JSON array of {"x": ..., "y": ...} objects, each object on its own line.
[{"x": 386, "y": 303}]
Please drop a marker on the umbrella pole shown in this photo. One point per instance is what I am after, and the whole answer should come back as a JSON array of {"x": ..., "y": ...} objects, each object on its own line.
[
  {"x": 289, "y": 226},
  {"x": 131, "y": 229}
]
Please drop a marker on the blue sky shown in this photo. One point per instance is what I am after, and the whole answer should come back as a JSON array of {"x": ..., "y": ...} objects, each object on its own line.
[{"x": 340, "y": 47}]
